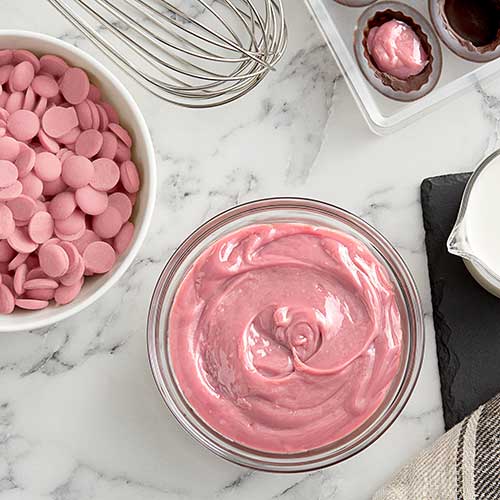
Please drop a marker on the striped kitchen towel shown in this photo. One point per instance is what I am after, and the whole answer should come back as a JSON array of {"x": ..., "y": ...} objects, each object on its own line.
[{"x": 464, "y": 464}]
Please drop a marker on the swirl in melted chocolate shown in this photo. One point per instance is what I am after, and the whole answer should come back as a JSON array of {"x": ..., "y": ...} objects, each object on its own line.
[{"x": 285, "y": 337}]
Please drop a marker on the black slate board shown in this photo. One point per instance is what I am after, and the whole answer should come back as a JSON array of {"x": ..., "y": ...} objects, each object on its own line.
[{"x": 466, "y": 317}]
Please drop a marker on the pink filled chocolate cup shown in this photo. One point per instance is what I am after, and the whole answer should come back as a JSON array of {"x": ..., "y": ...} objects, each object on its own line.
[
  {"x": 400, "y": 84},
  {"x": 37, "y": 307},
  {"x": 222, "y": 423}
]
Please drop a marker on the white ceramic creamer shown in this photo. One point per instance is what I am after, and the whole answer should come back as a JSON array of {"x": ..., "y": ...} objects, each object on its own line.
[{"x": 476, "y": 235}]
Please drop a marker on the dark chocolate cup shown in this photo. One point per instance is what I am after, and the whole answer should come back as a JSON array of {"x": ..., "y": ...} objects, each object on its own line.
[
  {"x": 356, "y": 3},
  {"x": 415, "y": 87},
  {"x": 456, "y": 43}
]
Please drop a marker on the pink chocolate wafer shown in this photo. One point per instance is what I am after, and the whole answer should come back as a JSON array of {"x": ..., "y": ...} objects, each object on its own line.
[
  {"x": 109, "y": 145},
  {"x": 71, "y": 277},
  {"x": 53, "y": 260},
  {"x": 129, "y": 175},
  {"x": 99, "y": 257},
  {"x": 58, "y": 121},
  {"x": 11, "y": 192},
  {"x": 29, "y": 100},
  {"x": 53, "y": 65},
  {"x": 17, "y": 261},
  {"x": 41, "y": 227},
  {"x": 65, "y": 167},
  {"x": 91, "y": 201},
  {"x": 7, "y": 225},
  {"x": 20, "y": 55},
  {"x": 8, "y": 173},
  {"x": 66, "y": 294},
  {"x": 122, "y": 203},
  {"x": 89, "y": 143},
  {"x": 23, "y": 125},
  {"x": 9, "y": 148},
  {"x": 20, "y": 279},
  {"x": 75, "y": 85},
  {"x": 106, "y": 174},
  {"x": 49, "y": 144},
  {"x": 84, "y": 115},
  {"x": 62, "y": 205},
  {"x": 45, "y": 86},
  {"x": 14, "y": 102},
  {"x": 7, "y": 301},
  {"x": 123, "y": 238},
  {"x": 47, "y": 166},
  {"x": 40, "y": 294},
  {"x": 107, "y": 224},
  {"x": 7, "y": 253},
  {"x": 31, "y": 304},
  {"x": 40, "y": 284},
  {"x": 25, "y": 160},
  {"x": 21, "y": 76},
  {"x": 23, "y": 207},
  {"x": 20, "y": 241}
]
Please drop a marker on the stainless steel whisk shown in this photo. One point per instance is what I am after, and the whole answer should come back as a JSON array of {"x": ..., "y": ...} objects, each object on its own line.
[{"x": 195, "y": 53}]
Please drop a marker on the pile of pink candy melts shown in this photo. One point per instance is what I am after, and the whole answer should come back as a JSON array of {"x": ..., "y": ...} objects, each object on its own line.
[{"x": 67, "y": 183}]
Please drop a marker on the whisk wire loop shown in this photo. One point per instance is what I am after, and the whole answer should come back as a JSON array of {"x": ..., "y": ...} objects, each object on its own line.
[{"x": 194, "y": 53}]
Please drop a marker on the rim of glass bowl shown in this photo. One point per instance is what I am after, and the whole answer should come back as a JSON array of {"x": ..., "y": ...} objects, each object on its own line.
[{"x": 285, "y": 210}]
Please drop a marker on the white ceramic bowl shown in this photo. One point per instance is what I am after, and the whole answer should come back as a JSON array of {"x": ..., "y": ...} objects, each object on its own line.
[{"x": 143, "y": 155}]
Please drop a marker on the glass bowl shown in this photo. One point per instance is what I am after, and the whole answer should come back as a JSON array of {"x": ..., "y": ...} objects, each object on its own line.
[{"x": 289, "y": 210}]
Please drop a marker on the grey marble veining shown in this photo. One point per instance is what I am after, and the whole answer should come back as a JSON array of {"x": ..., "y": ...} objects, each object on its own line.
[{"x": 80, "y": 417}]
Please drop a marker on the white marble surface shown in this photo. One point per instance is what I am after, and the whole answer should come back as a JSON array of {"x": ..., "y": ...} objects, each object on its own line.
[{"x": 80, "y": 417}]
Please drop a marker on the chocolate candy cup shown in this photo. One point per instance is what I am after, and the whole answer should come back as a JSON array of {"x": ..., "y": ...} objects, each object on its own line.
[
  {"x": 415, "y": 86},
  {"x": 469, "y": 32}
]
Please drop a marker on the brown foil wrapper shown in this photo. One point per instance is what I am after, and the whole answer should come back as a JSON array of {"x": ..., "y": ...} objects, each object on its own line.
[{"x": 467, "y": 44}]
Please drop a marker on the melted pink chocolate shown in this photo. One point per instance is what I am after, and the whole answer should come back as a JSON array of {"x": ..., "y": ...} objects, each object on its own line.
[
  {"x": 396, "y": 50},
  {"x": 285, "y": 337}
]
